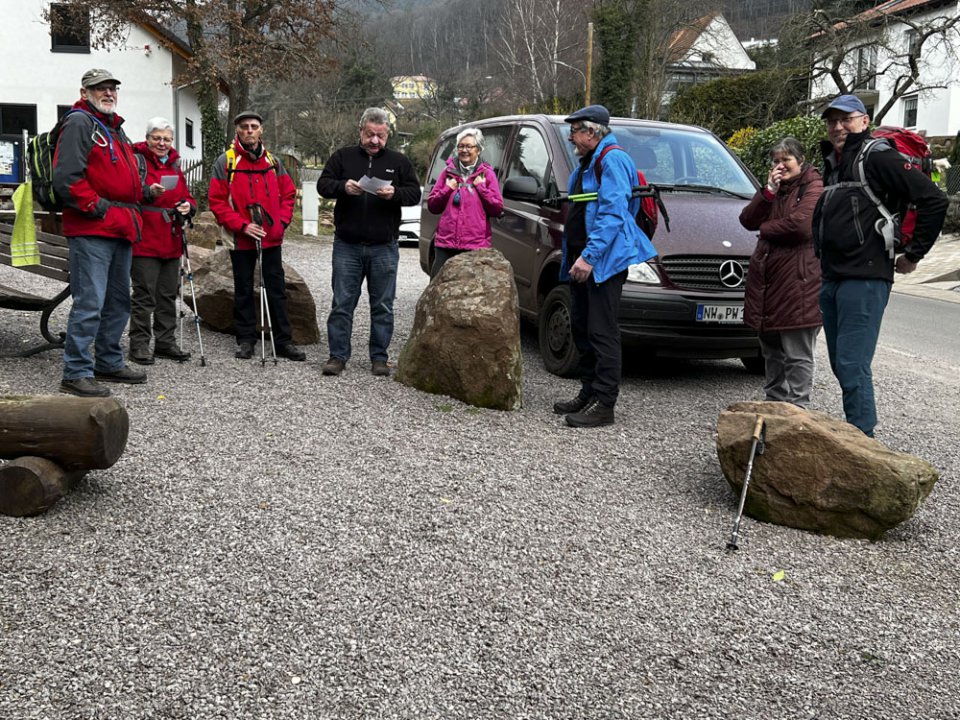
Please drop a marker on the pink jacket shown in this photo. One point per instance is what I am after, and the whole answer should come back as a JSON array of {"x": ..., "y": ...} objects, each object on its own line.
[{"x": 466, "y": 225}]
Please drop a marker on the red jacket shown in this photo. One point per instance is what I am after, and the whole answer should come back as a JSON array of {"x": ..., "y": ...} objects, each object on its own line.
[
  {"x": 254, "y": 180},
  {"x": 162, "y": 236},
  {"x": 92, "y": 180},
  {"x": 783, "y": 281}
]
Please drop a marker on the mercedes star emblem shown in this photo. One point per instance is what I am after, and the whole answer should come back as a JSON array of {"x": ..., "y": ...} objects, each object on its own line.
[{"x": 731, "y": 273}]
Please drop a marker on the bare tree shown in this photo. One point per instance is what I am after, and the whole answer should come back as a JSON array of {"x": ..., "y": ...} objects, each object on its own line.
[{"x": 854, "y": 52}]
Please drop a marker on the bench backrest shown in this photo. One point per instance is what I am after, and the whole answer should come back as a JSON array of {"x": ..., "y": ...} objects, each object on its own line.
[{"x": 54, "y": 254}]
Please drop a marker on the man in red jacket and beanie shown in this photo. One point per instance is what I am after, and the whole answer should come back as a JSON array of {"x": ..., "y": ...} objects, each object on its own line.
[
  {"x": 253, "y": 198},
  {"x": 96, "y": 175}
]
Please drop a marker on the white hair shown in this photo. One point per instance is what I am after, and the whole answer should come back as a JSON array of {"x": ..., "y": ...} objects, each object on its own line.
[
  {"x": 599, "y": 130},
  {"x": 159, "y": 123},
  {"x": 474, "y": 133}
]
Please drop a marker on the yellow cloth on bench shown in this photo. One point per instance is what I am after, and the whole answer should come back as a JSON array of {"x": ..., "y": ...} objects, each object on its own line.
[{"x": 23, "y": 242}]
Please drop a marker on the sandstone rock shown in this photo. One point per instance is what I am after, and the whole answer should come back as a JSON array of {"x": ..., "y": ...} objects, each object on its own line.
[
  {"x": 213, "y": 280},
  {"x": 203, "y": 234},
  {"x": 819, "y": 473},
  {"x": 465, "y": 341}
]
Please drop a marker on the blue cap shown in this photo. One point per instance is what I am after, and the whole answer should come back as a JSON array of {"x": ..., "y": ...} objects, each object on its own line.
[
  {"x": 592, "y": 113},
  {"x": 845, "y": 103}
]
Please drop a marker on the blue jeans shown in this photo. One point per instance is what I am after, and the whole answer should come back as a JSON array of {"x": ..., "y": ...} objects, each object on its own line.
[
  {"x": 852, "y": 311},
  {"x": 100, "y": 286},
  {"x": 352, "y": 264}
]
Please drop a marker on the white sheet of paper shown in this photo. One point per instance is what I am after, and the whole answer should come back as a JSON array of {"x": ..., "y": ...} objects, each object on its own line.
[
  {"x": 372, "y": 184},
  {"x": 169, "y": 181}
]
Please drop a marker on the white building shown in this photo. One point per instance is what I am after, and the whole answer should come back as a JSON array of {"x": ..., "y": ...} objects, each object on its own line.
[
  {"x": 43, "y": 62},
  {"x": 936, "y": 110}
]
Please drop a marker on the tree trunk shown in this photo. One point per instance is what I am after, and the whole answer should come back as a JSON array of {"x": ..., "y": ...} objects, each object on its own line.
[
  {"x": 77, "y": 433},
  {"x": 30, "y": 485}
]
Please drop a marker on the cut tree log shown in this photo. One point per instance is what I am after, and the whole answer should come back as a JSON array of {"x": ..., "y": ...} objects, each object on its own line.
[
  {"x": 75, "y": 432},
  {"x": 30, "y": 485}
]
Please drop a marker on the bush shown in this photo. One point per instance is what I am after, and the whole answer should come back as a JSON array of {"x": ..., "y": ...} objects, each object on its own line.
[
  {"x": 738, "y": 141},
  {"x": 807, "y": 129}
]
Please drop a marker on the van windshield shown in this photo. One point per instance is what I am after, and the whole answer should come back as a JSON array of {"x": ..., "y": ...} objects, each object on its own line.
[{"x": 675, "y": 157}]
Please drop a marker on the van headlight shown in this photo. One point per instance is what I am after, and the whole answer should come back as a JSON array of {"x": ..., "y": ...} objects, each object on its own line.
[{"x": 642, "y": 273}]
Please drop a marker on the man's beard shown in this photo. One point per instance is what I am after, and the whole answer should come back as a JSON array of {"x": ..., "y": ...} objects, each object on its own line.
[{"x": 100, "y": 108}]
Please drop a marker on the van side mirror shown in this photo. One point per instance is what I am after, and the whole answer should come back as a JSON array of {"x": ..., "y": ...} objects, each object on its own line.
[{"x": 524, "y": 188}]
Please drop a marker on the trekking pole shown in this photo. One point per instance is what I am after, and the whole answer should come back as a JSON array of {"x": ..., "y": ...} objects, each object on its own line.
[
  {"x": 256, "y": 214},
  {"x": 756, "y": 448},
  {"x": 186, "y": 272}
]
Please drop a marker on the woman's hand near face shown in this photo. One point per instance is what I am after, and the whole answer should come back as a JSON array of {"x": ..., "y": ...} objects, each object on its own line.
[{"x": 452, "y": 183}]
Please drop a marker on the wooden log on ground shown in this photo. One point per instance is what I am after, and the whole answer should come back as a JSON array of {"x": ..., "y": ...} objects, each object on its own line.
[
  {"x": 30, "y": 485},
  {"x": 75, "y": 432}
]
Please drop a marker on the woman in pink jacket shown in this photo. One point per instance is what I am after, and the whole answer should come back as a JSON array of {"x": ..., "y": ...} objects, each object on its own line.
[{"x": 466, "y": 196}]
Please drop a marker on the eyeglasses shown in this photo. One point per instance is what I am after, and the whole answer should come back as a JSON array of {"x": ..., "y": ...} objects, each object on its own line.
[
  {"x": 160, "y": 139},
  {"x": 845, "y": 121},
  {"x": 575, "y": 130},
  {"x": 784, "y": 160},
  {"x": 466, "y": 147},
  {"x": 249, "y": 126},
  {"x": 105, "y": 88}
]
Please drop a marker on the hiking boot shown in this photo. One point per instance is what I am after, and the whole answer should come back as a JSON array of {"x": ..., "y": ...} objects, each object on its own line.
[
  {"x": 333, "y": 366},
  {"x": 141, "y": 355},
  {"x": 125, "y": 375},
  {"x": 84, "y": 387},
  {"x": 173, "y": 353},
  {"x": 291, "y": 352},
  {"x": 380, "y": 368},
  {"x": 565, "y": 407},
  {"x": 594, "y": 414},
  {"x": 244, "y": 350}
]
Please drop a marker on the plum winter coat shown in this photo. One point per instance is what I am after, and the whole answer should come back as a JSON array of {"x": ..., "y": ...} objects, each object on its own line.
[
  {"x": 465, "y": 224},
  {"x": 783, "y": 281},
  {"x": 162, "y": 237}
]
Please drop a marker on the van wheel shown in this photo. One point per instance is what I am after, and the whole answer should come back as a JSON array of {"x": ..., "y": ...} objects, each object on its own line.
[
  {"x": 755, "y": 365},
  {"x": 559, "y": 354}
]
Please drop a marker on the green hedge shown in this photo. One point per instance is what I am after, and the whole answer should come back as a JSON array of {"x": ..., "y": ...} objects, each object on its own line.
[{"x": 809, "y": 130}]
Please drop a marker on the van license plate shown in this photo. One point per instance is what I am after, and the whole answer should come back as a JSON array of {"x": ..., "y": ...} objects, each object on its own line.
[{"x": 720, "y": 313}]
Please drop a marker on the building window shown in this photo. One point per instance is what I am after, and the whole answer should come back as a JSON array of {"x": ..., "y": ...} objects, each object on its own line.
[
  {"x": 913, "y": 43},
  {"x": 188, "y": 133},
  {"x": 866, "y": 78},
  {"x": 63, "y": 110},
  {"x": 69, "y": 28},
  {"x": 910, "y": 111},
  {"x": 14, "y": 119}
]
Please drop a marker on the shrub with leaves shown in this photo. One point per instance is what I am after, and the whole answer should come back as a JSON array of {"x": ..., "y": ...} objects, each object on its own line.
[
  {"x": 808, "y": 130},
  {"x": 738, "y": 141}
]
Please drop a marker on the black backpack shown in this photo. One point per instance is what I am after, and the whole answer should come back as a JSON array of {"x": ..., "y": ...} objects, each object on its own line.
[{"x": 40, "y": 153}]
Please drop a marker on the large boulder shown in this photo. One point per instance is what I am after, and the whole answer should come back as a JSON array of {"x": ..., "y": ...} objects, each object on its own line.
[
  {"x": 819, "y": 473},
  {"x": 213, "y": 281},
  {"x": 465, "y": 341}
]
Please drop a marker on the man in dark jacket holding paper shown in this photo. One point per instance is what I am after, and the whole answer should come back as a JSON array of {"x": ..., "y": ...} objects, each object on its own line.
[
  {"x": 858, "y": 264},
  {"x": 370, "y": 183}
]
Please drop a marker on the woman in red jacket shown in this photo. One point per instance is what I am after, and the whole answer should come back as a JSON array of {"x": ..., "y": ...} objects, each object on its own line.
[
  {"x": 156, "y": 258},
  {"x": 783, "y": 281}
]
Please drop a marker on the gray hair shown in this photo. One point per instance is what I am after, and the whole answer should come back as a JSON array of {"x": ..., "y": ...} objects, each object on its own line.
[
  {"x": 473, "y": 132},
  {"x": 159, "y": 123},
  {"x": 601, "y": 131},
  {"x": 789, "y": 146},
  {"x": 374, "y": 116}
]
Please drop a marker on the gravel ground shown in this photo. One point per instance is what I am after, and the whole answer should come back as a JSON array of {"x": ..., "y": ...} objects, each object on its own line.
[{"x": 277, "y": 544}]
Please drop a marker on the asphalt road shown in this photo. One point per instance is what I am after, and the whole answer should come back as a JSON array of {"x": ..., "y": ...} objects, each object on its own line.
[{"x": 922, "y": 327}]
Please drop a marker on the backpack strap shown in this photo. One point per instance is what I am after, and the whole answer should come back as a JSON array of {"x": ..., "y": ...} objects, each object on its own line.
[
  {"x": 886, "y": 225},
  {"x": 597, "y": 169}
]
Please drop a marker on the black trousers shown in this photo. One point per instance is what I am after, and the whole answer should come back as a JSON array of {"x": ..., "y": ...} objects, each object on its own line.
[
  {"x": 593, "y": 318},
  {"x": 440, "y": 257},
  {"x": 246, "y": 303},
  {"x": 156, "y": 283}
]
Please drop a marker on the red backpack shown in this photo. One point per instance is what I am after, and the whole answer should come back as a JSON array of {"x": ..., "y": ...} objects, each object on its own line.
[
  {"x": 914, "y": 149},
  {"x": 649, "y": 195}
]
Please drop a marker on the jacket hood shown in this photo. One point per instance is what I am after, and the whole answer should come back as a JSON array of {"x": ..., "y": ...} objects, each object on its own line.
[
  {"x": 141, "y": 148},
  {"x": 113, "y": 120}
]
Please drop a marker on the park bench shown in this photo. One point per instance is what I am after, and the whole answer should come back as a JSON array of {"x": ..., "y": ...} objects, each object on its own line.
[{"x": 55, "y": 264}]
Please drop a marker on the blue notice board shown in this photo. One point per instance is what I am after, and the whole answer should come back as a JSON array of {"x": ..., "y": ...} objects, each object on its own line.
[{"x": 11, "y": 154}]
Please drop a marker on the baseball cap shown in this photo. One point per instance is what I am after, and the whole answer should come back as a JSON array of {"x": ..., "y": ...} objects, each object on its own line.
[
  {"x": 592, "y": 113},
  {"x": 97, "y": 76},
  {"x": 248, "y": 114},
  {"x": 845, "y": 103}
]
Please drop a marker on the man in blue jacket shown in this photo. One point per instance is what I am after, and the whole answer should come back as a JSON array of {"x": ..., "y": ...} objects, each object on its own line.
[{"x": 601, "y": 240}]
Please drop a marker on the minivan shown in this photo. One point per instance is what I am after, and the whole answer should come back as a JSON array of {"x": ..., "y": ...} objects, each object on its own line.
[{"x": 688, "y": 301}]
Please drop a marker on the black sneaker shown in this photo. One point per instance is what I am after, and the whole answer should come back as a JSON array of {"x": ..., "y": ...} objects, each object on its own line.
[
  {"x": 141, "y": 355},
  {"x": 125, "y": 375},
  {"x": 291, "y": 352},
  {"x": 565, "y": 407},
  {"x": 84, "y": 387},
  {"x": 594, "y": 414},
  {"x": 245, "y": 350},
  {"x": 380, "y": 368},
  {"x": 173, "y": 353},
  {"x": 333, "y": 366}
]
